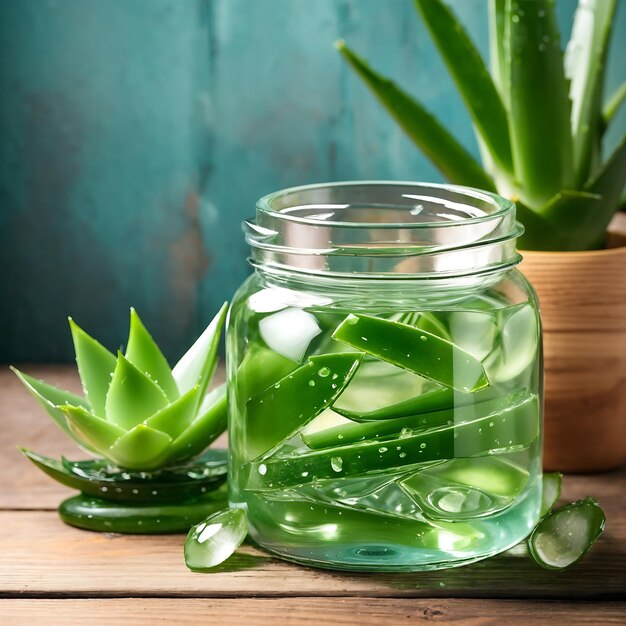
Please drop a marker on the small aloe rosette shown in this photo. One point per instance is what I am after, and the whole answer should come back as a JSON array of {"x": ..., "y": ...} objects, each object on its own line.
[{"x": 146, "y": 422}]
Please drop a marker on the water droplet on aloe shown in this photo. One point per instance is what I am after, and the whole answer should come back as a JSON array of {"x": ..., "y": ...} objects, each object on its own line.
[
  {"x": 323, "y": 372},
  {"x": 382, "y": 450},
  {"x": 311, "y": 383},
  {"x": 336, "y": 463},
  {"x": 262, "y": 469},
  {"x": 405, "y": 432}
]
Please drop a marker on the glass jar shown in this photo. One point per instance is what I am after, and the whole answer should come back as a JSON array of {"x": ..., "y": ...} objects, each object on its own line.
[{"x": 385, "y": 378}]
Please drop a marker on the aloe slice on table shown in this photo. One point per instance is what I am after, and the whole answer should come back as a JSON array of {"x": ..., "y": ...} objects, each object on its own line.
[
  {"x": 515, "y": 426},
  {"x": 213, "y": 540},
  {"x": 276, "y": 414},
  {"x": 566, "y": 535},
  {"x": 551, "y": 491},
  {"x": 404, "y": 426},
  {"x": 415, "y": 350}
]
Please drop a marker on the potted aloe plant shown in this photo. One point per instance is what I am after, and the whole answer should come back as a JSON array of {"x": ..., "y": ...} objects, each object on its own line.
[{"x": 540, "y": 116}]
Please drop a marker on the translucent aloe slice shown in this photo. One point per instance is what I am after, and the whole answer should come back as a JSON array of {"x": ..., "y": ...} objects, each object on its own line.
[
  {"x": 551, "y": 491},
  {"x": 132, "y": 396},
  {"x": 98, "y": 478},
  {"x": 95, "y": 366},
  {"x": 141, "y": 447},
  {"x": 143, "y": 352},
  {"x": 259, "y": 369},
  {"x": 567, "y": 534},
  {"x": 276, "y": 414},
  {"x": 212, "y": 541},
  {"x": 415, "y": 350},
  {"x": 515, "y": 426}
]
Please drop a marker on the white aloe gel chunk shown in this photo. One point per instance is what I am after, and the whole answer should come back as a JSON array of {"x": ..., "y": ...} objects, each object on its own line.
[{"x": 289, "y": 332}]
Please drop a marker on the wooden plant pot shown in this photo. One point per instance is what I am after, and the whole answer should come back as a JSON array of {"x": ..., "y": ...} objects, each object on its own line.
[{"x": 583, "y": 309}]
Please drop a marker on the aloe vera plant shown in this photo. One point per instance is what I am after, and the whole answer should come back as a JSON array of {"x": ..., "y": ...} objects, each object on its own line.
[
  {"x": 137, "y": 413},
  {"x": 540, "y": 116}
]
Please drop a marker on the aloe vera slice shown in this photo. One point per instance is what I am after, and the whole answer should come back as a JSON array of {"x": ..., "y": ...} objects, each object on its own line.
[
  {"x": 95, "y": 366},
  {"x": 276, "y": 414},
  {"x": 140, "y": 519},
  {"x": 259, "y": 369},
  {"x": 212, "y": 541},
  {"x": 515, "y": 426},
  {"x": 132, "y": 396},
  {"x": 143, "y": 352},
  {"x": 403, "y": 426},
  {"x": 566, "y": 535},
  {"x": 415, "y": 350},
  {"x": 97, "y": 478},
  {"x": 551, "y": 491}
]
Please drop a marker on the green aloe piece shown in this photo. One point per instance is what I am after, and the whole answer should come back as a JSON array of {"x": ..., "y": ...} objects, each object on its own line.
[
  {"x": 562, "y": 538},
  {"x": 215, "y": 539},
  {"x": 50, "y": 398},
  {"x": 96, "y": 478},
  {"x": 413, "y": 349},
  {"x": 448, "y": 155},
  {"x": 276, "y": 414},
  {"x": 139, "y": 518},
  {"x": 260, "y": 368},
  {"x": 471, "y": 77},
  {"x": 497, "y": 47},
  {"x": 516, "y": 426},
  {"x": 177, "y": 416},
  {"x": 352, "y": 433},
  {"x": 141, "y": 447},
  {"x": 197, "y": 365},
  {"x": 551, "y": 491},
  {"x": 145, "y": 355},
  {"x": 205, "y": 429},
  {"x": 132, "y": 396},
  {"x": 95, "y": 366},
  {"x": 613, "y": 105},
  {"x": 542, "y": 144},
  {"x": 99, "y": 433}
]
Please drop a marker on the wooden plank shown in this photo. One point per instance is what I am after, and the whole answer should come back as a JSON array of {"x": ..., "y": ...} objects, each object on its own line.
[
  {"x": 306, "y": 610},
  {"x": 41, "y": 556}
]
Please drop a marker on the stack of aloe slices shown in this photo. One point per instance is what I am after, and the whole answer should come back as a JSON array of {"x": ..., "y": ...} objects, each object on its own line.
[
  {"x": 366, "y": 444},
  {"x": 147, "y": 423}
]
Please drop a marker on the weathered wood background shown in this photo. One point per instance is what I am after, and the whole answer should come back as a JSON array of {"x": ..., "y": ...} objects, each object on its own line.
[{"x": 136, "y": 135}]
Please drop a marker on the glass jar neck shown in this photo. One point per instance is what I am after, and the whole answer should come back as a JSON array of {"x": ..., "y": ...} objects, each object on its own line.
[{"x": 384, "y": 230}]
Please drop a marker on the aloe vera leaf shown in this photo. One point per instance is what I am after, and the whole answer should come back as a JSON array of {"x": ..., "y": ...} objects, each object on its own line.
[
  {"x": 133, "y": 396},
  {"x": 447, "y": 154},
  {"x": 415, "y": 350},
  {"x": 562, "y": 538},
  {"x": 139, "y": 518},
  {"x": 613, "y": 105},
  {"x": 471, "y": 78},
  {"x": 540, "y": 136},
  {"x": 174, "y": 418},
  {"x": 50, "y": 398},
  {"x": 141, "y": 448},
  {"x": 551, "y": 491},
  {"x": 197, "y": 365},
  {"x": 585, "y": 62},
  {"x": 95, "y": 366},
  {"x": 259, "y": 369},
  {"x": 205, "y": 429},
  {"x": 91, "y": 478},
  {"x": 215, "y": 539},
  {"x": 276, "y": 414},
  {"x": 515, "y": 426},
  {"x": 98, "y": 433},
  {"x": 497, "y": 47},
  {"x": 143, "y": 352},
  {"x": 404, "y": 426}
]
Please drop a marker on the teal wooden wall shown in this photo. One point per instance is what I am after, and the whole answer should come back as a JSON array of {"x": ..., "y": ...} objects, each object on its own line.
[{"x": 137, "y": 134}]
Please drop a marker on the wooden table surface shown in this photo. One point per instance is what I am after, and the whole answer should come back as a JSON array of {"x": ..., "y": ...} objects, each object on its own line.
[{"x": 52, "y": 574}]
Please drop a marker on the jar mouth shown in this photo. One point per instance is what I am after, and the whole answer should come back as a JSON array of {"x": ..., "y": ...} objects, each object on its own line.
[{"x": 383, "y": 228}]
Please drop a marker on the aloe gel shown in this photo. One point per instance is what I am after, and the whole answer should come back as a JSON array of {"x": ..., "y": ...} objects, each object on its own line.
[{"x": 384, "y": 366}]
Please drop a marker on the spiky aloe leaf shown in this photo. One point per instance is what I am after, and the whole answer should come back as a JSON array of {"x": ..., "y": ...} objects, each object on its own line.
[
  {"x": 613, "y": 105},
  {"x": 447, "y": 154},
  {"x": 143, "y": 352},
  {"x": 471, "y": 78},
  {"x": 539, "y": 105},
  {"x": 177, "y": 416},
  {"x": 197, "y": 365},
  {"x": 95, "y": 366},
  {"x": 141, "y": 447},
  {"x": 50, "y": 398},
  {"x": 97, "y": 432},
  {"x": 497, "y": 52},
  {"x": 133, "y": 396},
  {"x": 585, "y": 60}
]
